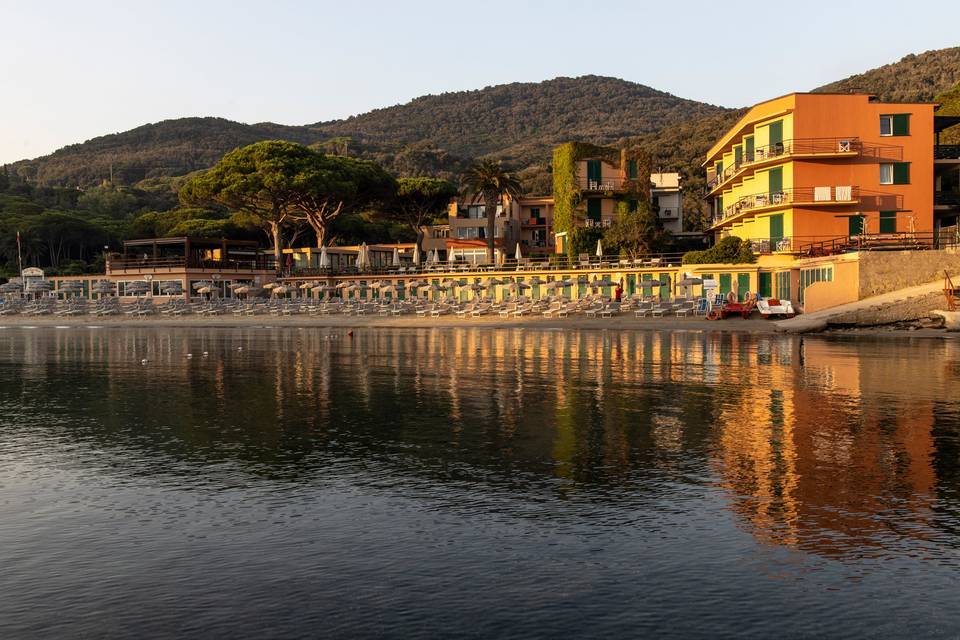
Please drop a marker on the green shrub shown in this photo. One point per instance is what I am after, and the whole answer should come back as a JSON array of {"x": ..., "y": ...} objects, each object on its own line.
[{"x": 730, "y": 250}]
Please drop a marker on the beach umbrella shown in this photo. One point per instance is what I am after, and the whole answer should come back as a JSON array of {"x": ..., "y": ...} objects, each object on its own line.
[
  {"x": 599, "y": 248},
  {"x": 279, "y": 290},
  {"x": 271, "y": 285},
  {"x": 363, "y": 259},
  {"x": 395, "y": 258},
  {"x": 104, "y": 287},
  {"x": 70, "y": 286},
  {"x": 416, "y": 254},
  {"x": 324, "y": 258},
  {"x": 518, "y": 255},
  {"x": 10, "y": 287},
  {"x": 171, "y": 288},
  {"x": 451, "y": 259},
  {"x": 242, "y": 290},
  {"x": 136, "y": 287}
]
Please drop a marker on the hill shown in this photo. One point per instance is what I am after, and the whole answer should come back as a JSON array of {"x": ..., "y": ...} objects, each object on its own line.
[
  {"x": 915, "y": 78},
  {"x": 437, "y": 134}
]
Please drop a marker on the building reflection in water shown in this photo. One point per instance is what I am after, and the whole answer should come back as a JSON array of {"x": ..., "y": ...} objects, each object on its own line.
[{"x": 842, "y": 449}]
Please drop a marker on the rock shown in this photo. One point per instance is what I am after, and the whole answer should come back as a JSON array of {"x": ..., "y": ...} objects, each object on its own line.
[{"x": 951, "y": 319}]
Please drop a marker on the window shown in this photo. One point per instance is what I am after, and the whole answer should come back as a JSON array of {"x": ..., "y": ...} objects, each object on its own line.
[
  {"x": 535, "y": 213},
  {"x": 632, "y": 172},
  {"x": 593, "y": 210},
  {"x": 632, "y": 206},
  {"x": 886, "y": 173},
  {"x": 897, "y": 124},
  {"x": 895, "y": 173},
  {"x": 888, "y": 222}
]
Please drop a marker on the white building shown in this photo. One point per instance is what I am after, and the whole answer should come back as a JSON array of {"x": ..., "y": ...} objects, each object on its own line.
[{"x": 665, "y": 193}]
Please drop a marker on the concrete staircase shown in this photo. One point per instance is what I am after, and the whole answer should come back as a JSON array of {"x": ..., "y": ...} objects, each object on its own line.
[{"x": 903, "y": 304}]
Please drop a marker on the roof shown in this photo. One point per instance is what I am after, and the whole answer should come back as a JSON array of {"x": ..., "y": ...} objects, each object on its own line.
[{"x": 209, "y": 242}]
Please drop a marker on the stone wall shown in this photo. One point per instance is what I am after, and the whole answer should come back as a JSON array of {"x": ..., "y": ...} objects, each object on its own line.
[
  {"x": 886, "y": 271},
  {"x": 904, "y": 310}
]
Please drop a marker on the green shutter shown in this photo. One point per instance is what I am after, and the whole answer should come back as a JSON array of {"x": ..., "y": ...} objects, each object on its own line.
[
  {"x": 775, "y": 178},
  {"x": 743, "y": 285},
  {"x": 776, "y": 230},
  {"x": 888, "y": 222},
  {"x": 766, "y": 284},
  {"x": 855, "y": 225},
  {"x": 593, "y": 209},
  {"x": 901, "y": 173},
  {"x": 748, "y": 142},
  {"x": 737, "y": 156},
  {"x": 901, "y": 124},
  {"x": 719, "y": 169},
  {"x": 632, "y": 169},
  {"x": 664, "y": 288},
  {"x": 726, "y": 283},
  {"x": 776, "y": 132},
  {"x": 594, "y": 171}
]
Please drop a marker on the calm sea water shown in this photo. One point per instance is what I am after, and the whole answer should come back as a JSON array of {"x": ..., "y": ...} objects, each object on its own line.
[{"x": 476, "y": 483}]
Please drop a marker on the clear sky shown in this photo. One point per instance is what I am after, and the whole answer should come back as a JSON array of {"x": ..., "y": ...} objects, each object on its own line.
[{"x": 70, "y": 71}]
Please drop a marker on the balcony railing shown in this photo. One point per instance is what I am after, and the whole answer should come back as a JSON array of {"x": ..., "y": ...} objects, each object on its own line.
[
  {"x": 607, "y": 184},
  {"x": 127, "y": 264},
  {"x": 796, "y": 147},
  {"x": 949, "y": 198},
  {"x": 808, "y": 195},
  {"x": 946, "y": 152}
]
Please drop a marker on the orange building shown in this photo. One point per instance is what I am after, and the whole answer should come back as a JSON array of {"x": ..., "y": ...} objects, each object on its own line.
[{"x": 807, "y": 168}]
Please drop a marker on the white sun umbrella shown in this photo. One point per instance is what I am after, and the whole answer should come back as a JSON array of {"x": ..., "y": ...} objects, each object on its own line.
[
  {"x": 519, "y": 254},
  {"x": 599, "y": 248},
  {"x": 416, "y": 254},
  {"x": 280, "y": 290},
  {"x": 324, "y": 258},
  {"x": 271, "y": 285},
  {"x": 395, "y": 258},
  {"x": 362, "y": 257}
]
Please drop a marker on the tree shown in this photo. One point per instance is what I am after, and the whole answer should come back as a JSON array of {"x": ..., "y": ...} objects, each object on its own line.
[
  {"x": 635, "y": 233},
  {"x": 260, "y": 180},
  {"x": 327, "y": 187},
  {"x": 488, "y": 181},
  {"x": 730, "y": 250},
  {"x": 418, "y": 202}
]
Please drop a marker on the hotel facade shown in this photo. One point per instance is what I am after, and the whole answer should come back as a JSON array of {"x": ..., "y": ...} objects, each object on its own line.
[{"x": 806, "y": 168}]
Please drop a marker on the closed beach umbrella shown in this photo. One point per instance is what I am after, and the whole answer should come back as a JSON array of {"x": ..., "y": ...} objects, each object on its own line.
[
  {"x": 324, "y": 258},
  {"x": 416, "y": 255},
  {"x": 518, "y": 255},
  {"x": 599, "y": 248},
  {"x": 395, "y": 258}
]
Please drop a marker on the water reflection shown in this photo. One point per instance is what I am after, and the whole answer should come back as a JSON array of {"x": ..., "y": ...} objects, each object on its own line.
[{"x": 844, "y": 449}]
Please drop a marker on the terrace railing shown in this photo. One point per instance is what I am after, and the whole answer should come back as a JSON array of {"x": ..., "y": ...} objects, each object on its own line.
[
  {"x": 132, "y": 264},
  {"x": 608, "y": 184},
  {"x": 825, "y": 195},
  {"x": 946, "y": 152},
  {"x": 795, "y": 147}
]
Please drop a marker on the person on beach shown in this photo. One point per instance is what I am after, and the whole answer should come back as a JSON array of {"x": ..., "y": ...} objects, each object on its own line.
[{"x": 618, "y": 292}]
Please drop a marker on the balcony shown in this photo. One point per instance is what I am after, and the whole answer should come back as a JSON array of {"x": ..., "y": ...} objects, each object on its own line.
[
  {"x": 534, "y": 223},
  {"x": 807, "y": 197},
  {"x": 608, "y": 184},
  {"x": 797, "y": 148},
  {"x": 946, "y": 152},
  {"x": 946, "y": 198}
]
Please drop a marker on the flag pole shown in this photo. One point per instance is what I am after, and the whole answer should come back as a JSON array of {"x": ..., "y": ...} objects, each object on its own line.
[{"x": 19, "y": 255}]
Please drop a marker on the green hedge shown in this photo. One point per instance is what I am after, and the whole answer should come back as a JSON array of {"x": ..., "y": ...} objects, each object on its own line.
[{"x": 730, "y": 250}]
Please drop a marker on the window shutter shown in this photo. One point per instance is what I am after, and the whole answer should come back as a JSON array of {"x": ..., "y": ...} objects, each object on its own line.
[
  {"x": 901, "y": 124},
  {"x": 901, "y": 173},
  {"x": 632, "y": 169},
  {"x": 888, "y": 222}
]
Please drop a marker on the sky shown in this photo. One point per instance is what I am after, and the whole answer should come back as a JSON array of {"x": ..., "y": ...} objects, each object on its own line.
[{"x": 71, "y": 71}]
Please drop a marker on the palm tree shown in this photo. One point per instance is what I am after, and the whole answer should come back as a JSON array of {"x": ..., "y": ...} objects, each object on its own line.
[{"x": 488, "y": 181}]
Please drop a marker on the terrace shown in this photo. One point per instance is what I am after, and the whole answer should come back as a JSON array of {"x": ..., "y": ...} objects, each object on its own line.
[
  {"x": 847, "y": 147},
  {"x": 804, "y": 196},
  {"x": 180, "y": 254}
]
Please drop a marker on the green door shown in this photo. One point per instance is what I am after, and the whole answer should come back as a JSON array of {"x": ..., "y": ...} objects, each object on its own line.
[
  {"x": 593, "y": 209},
  {"x": 665, "y": 287},
  {"x": 748, "y": 142},
  {"x": 631, "y": 284},
  {"x": 766, "y": 284},
  {"x": 775, "y": 178},
  {"x": 855, "y": 225},
  {"x": 594, "y": 172},
  {"x": 888, "y": 222},
  {"x": 726, "y": 283},
  {"x": 743, "y": 285},
  {"x": 737, "y": 156},
  {"x": 776, "y": 230},
  {"x": 776, "y": 133}
]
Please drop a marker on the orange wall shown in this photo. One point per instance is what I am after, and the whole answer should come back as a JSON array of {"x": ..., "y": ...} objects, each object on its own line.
[{"x": 831, "y": 116}]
